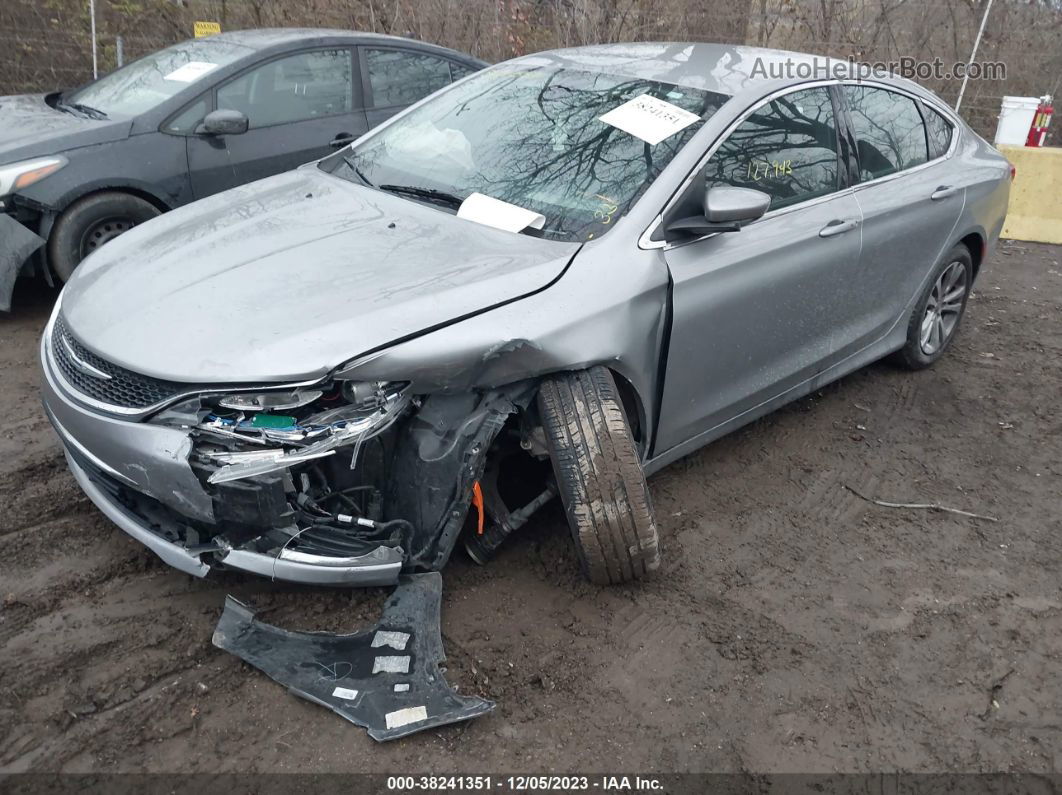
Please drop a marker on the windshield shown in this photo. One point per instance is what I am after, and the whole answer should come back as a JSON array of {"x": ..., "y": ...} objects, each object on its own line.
[
  {"x": 532, "y": 136},
  {"x": 146, "y": 82}
]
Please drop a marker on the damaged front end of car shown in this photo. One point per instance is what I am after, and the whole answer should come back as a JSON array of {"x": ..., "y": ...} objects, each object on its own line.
[{"x": 338, "y": 482}]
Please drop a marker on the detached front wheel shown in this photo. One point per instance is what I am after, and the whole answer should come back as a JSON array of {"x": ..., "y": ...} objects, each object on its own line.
[{"x": 599, "y": 476}]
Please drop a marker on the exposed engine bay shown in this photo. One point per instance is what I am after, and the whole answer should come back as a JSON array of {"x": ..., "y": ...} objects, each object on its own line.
[{"x": 338, "y": 472}]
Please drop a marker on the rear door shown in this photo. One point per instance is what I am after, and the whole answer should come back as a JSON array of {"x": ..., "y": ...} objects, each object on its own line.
[
  {"x": 393, "y": 78},
  {"x": 758, "y": 311},
  {"x": 300, "y": 106},
  {"x": 909, "y": 194}
]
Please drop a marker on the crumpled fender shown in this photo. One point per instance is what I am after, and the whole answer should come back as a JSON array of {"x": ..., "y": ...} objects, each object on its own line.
[{"x": 17, "y": 243}]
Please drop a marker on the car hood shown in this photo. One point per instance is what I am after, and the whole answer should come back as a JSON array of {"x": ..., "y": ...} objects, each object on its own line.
[
  {"x": 286, "y": 278},
  {"x": 30, "y": 127}
]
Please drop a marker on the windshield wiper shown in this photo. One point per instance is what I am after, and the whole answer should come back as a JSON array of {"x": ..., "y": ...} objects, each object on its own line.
[
  {"x": 428, "y": 194},
  {"x": 92, "y": 113}
]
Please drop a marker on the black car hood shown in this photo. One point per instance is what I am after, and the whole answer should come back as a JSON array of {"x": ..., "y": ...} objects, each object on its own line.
[
  {"x": 287, "y": 278},
  {"x": 30, "y": 127}
]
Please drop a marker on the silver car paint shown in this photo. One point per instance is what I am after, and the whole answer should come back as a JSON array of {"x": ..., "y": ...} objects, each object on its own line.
[
  {"x": 151, "y": 458},
  {"x": 290, "y": 276},
  {"x": 754, "y": 318}
]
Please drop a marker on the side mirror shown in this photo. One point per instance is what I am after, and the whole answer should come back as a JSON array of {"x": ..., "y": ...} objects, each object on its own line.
[
  {"x": 725, "y": 209},
  {"x": 223, "y": 122}
]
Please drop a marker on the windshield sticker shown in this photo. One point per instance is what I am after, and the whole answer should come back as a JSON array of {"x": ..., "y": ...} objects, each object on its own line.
[
  {"x": 489, "y": 211},
  {"x": 191, "y": 71},
  {"x": 649, "y": 118}
]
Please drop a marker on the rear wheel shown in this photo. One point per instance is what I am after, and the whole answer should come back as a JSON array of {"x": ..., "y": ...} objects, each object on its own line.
[
  {"x": 599, "y": 476},
  {"x": 935, "y": 320},
  {"x": 92, "y": 222}
]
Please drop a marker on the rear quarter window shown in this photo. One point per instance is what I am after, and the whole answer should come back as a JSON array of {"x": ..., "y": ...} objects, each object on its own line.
[{"x": 938, "y": 132}]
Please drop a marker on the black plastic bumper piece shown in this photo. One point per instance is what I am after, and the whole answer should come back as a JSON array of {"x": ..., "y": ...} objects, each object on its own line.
[
  {"x": 386, "y": 679},
  {"x": 17, "y": 243}
]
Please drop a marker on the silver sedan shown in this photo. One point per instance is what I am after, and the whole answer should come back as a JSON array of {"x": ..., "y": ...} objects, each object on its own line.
[{"x": 553, "y": 278}]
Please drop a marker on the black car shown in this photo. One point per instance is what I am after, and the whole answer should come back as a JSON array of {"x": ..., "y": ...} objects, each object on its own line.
[{"x": 78, "y": 168}]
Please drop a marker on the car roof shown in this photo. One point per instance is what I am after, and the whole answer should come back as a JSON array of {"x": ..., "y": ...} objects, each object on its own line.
[
  {"x": 729, "y": 69},
  {"x": 263, "y": 38}
]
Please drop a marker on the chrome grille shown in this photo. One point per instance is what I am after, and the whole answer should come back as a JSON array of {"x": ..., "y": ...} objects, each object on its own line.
[{"x": 124, "y": 388}]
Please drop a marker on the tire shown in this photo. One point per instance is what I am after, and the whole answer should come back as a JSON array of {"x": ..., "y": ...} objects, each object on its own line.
[
  {"x": 599, "y": 476},
  {"x": 955, "y": 270},
  {"x": 91, "y": 222}
]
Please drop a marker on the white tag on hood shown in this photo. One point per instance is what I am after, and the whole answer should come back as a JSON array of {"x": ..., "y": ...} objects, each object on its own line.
[
  {"x": 649, "y": 118},
  {"x": 191, "y": 71},
  {"x": 489, "y": 211}
]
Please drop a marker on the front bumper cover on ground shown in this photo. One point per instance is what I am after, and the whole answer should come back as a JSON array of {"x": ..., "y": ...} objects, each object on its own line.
[{"x": 386, "y": 679}]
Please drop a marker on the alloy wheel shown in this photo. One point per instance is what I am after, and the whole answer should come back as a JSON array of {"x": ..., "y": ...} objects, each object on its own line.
[{"x": 943, "y": 308}]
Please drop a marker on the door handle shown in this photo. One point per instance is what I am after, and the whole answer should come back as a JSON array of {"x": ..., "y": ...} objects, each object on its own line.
[
  {"x": 943, "y": 192},
  {"x": 341, "y": 140},
  {"x": 838, "y": 227}
]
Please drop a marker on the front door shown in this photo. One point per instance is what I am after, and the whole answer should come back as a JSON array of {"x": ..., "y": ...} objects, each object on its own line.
[
  {"x": 758, "y": 311},
  {"x": 300, "y": 107}
]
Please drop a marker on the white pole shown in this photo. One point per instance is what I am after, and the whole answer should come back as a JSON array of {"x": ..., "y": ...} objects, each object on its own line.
[
  {"x": 973, "y": 54},
  {"x": 92, "y": 18}
]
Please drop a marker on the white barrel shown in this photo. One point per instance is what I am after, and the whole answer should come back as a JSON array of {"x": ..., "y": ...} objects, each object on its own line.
[{"x": 1015, "y": 118}]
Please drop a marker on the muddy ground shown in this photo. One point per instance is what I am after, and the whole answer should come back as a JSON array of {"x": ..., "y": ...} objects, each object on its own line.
[{"x": 797, "y": 627}]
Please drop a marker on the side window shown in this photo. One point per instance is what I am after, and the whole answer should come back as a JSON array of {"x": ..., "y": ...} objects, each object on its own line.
[
  {"x": 459, "y": 70},
  {"x": 308, "y": 85},
  {"x": 938, "y": 132},
  {"x": 889, "y": 132},
  {"x": 402, "y": 78},
  {"x": 185, "y": 121},
  {"x": 787, "y": 148}
]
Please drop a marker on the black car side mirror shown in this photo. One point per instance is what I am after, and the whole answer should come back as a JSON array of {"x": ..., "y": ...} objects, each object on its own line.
[
  {"x": 223, "y": 122},
  {"x": 725, "y": 209}
]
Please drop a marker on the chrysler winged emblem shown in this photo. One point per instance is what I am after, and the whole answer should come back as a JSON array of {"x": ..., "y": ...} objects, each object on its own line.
[{"x": 80, "y": 363}]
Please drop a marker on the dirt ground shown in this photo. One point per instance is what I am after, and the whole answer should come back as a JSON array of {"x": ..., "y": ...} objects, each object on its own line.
[{"x": 796, "y": 627}]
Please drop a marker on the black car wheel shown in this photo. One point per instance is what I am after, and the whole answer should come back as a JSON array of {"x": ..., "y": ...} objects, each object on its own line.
[
  {"x": 935, "y": 319},
  {"x": 90, "y": 223},
  {"x": 599, "y": 476}
]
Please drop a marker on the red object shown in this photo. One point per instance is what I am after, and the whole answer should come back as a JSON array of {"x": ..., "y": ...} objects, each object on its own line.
[
  {"x": 1041, "y": 121},
  {"x": 1013, "y": 172},
  {"x": 477, "y": 502}
]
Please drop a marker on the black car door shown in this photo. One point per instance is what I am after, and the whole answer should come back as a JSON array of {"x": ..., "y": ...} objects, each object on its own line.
[
  {"x": 393, "y": 78},
  {"x": 300, "y": 106}
]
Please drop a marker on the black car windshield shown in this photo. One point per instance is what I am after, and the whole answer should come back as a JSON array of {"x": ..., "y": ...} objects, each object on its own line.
[
  {"x": 148, "y": 81},
  {"x": 533, "y": 136}
]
